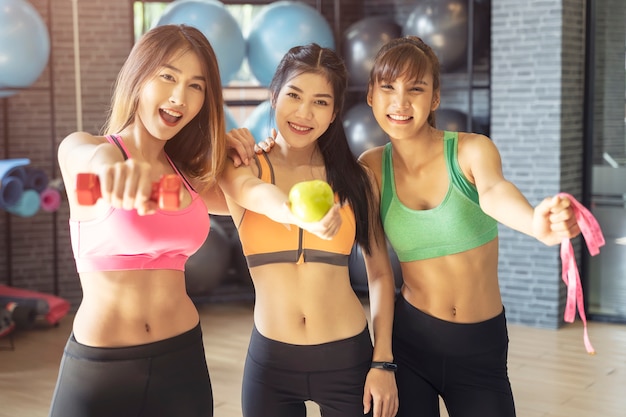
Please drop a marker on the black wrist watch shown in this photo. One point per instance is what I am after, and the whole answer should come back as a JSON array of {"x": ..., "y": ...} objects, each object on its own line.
[{"x": 387, "y": 366}]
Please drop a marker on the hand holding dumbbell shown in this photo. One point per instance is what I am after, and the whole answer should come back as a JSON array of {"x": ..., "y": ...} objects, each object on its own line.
[{"x": 166, "y": 192}]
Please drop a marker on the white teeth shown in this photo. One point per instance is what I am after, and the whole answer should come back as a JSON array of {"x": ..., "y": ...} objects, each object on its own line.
[
  {"x": 399, "y": 117},
  {"x": 300, "y": 128},
  {"x": 172, "y": 113}
]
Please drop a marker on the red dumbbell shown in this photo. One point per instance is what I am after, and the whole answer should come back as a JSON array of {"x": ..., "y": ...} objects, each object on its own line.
[{"x": 166, "y": 192}]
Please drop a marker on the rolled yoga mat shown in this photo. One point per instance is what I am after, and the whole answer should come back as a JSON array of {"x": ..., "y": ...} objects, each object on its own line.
[
  {"x": 12, "y": 179},
  {"x": 36, "y": 179},
  {"x": 50, "y": 199},
  {"x": 27, "y": 205}
]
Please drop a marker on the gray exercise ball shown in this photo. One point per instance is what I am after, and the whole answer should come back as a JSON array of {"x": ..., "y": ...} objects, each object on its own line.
[
  {"x": 361, "y": 42},
  {"x": 362, "y": 130},
  {"x": 451, "y": 119},
  {"x": 358, "y": 273},
  {"x": 206, "y": 269},
  {"x": 442, "y": 24}
]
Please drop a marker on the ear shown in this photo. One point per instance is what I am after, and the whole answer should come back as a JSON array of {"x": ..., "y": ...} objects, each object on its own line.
[
  {"x": 436, "y": 101},
  {"x": 369, "y": 95},
  {"x": 334, "y": 117}
]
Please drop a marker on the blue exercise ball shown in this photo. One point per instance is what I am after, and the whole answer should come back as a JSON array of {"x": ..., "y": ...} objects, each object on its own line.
[
  {"x": 362, "y": 129},
  {"x": 231, "y": 122},
  {"x": 260, "y": 121},
  {"x": 217, "y": 24},
  {"x": 278, "y": 27},
  {"x": 361, "y": 42},
  {"x": 24, "y": 46}
]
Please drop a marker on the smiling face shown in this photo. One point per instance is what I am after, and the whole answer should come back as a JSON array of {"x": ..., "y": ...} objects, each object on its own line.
[
  {"x": 305, "y": 107},
  {"x": 173, "y": 97},
  {"x": 402, "y": 106}
]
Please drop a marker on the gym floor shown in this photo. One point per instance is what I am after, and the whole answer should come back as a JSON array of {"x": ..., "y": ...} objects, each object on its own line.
[{"x": 551, "y": 373}]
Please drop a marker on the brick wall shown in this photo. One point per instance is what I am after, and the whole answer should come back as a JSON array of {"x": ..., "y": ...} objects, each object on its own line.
[
  {"x": 36, "y": 251},
  {"x": 536, "y": 122}
]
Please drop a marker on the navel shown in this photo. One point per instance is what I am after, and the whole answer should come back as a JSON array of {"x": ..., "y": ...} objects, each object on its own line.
[
  {"x": 147, "y": 328},
  {"x": 454, "y": 311}
]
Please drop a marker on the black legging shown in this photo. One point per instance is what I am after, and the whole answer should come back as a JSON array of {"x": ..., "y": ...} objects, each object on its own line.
[
  {"x": 168, "y": 378},
  {"x": 279, "y": 377},
  {"x": 465, "y": 364}
]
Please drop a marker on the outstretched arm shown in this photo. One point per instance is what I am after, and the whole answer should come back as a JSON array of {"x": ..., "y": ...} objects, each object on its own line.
[
  {"x": 125, "y": 184},
  {"x": 242, "y": 187},
  {"x": 549, "y": 222}
]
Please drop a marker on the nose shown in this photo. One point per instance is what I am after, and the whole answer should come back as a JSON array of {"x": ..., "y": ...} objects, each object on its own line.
[
  {"x": 401, "y": 99},
  {"x": 178, "y": 96},
  {"x": 304, "y": 111}
]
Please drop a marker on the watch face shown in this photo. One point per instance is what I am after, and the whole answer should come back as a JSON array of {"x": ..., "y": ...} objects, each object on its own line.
[{"x": 390, "y": 366}]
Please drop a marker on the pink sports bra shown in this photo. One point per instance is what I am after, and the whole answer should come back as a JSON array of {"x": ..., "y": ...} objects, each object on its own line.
[{"x": 123, "y": 240}]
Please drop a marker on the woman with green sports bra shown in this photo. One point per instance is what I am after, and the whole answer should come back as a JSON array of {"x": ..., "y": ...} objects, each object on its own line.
[{"x": 442, "y": 196}]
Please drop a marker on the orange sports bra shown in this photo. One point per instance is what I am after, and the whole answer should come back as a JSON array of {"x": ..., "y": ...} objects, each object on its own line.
[{"x": 265, "y": 241}]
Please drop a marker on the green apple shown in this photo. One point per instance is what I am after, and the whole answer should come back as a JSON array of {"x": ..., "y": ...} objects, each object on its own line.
[{"x": 311, "y": 200}]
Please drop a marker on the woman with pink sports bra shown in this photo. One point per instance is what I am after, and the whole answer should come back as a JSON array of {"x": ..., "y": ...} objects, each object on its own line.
[
  {"x": 442, "y": 194},
  {"x": 136, "y": 346}
]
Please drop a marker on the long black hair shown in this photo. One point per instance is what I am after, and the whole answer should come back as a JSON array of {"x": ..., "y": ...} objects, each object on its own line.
[{"x": 343, "y": 172}]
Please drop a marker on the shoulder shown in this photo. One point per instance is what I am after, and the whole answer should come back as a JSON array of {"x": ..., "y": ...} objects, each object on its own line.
[
  {"x": 76, "y": 139},
  {"x": 476, "y": 151},
  {"x": 372, "y": 158},
  {"x": 474, "y": 142}
]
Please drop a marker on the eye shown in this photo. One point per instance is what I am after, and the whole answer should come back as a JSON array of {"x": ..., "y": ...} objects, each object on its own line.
[
  {"x": 321, "y": 102},
  {"x": 386, "y": 86},
  {"x": 167, "y": 77},
  {"x": 198, "y": 87},
  {"x": 292, "y": 95}
]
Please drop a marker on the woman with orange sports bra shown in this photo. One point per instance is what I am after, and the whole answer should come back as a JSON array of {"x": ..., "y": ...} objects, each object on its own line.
[
  {"x": 310, "y": 340},
  {"x": 136, "y": 346},
  {"x": 441, "y": 196}
]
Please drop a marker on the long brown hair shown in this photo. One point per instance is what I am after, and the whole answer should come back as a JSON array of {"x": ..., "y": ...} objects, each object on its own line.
[
  {"x": 410, "y": 57},
  {"x": 199, "y": 149}
]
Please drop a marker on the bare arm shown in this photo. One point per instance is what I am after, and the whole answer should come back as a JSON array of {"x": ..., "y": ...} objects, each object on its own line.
[
  {"x": 549, "y": 222},
  {"x": 380, "y": 385},
  {"x": 242, "y": 187},
  {"x": 125, "y": 184}
]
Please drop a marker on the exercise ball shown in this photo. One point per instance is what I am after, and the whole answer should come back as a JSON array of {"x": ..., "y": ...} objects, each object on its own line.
[
  {"x": 362, "y": 130},
  {"x": 451, "y": 119},
  {"x": 24, "y": 46},
  {"x": 361, "y": 42},
  {"x": 260, "y": 121},
  {"x": 231, "y": 123},
  {"x": 217, "y": 24},
  {"x": 238, "y": 262},
  {"x": 278, "y": 27},
  {"x": 442, "y": 24},
  {"x": 358, "y": 273},
  {"x": 208, "y": 267}
]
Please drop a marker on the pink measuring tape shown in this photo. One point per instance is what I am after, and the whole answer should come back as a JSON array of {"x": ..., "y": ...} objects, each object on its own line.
[{"x": 592, "y": 233}]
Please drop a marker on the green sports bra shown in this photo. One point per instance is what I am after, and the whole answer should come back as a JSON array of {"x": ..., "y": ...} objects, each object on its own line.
[{"x": 456, "y": 225}]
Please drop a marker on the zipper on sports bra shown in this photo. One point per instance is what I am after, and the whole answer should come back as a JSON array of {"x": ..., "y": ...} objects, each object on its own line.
[{"x": 300, "y": 249}]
